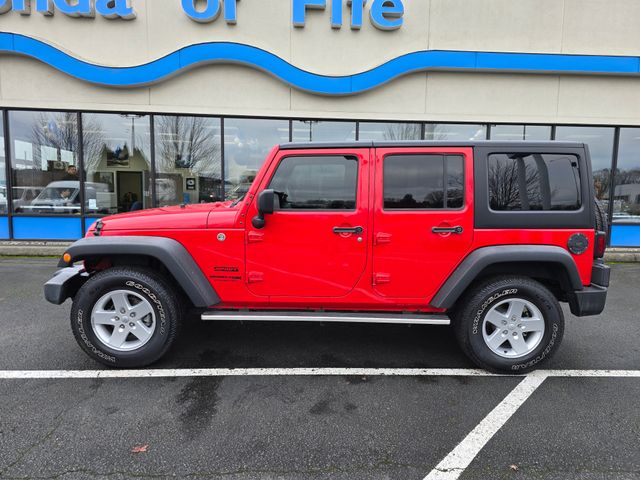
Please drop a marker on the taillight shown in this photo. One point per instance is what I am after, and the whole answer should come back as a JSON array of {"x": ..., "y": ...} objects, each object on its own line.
[{"x": 601, "y": 244}]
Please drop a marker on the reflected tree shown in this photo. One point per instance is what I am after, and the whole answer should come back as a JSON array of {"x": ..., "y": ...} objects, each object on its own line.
[{"x": 187, "y": 143}]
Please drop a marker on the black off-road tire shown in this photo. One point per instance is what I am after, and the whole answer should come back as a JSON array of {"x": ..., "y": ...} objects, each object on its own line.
[
  {"x": 469, "y": 316},
  {"x": 602, "y": 224},
  {"x": 149, "y": 285}
]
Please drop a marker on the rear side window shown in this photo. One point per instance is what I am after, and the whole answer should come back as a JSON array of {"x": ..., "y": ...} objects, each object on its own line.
[
  {"x": 421, "y": 182},
  {"x": 316, "y": 183},
  {"x": 534, "y": 181}
]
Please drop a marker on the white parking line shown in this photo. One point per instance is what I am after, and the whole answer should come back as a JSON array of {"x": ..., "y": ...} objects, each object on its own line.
[
  {"x": 452, "y": 466},
  {"x": 261, "y": 372}
]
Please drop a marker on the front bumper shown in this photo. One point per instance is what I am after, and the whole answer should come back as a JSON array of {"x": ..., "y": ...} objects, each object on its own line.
[
  {"x": 592, "y": 299},
  {"x": 64, "y": 284}
]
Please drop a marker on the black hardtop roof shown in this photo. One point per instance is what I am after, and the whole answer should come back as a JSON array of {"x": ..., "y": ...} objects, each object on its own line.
[{"x": 430, "y": 143}]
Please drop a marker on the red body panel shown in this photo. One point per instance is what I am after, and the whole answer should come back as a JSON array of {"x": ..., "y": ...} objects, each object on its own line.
[{"x": 296, "y": 261}]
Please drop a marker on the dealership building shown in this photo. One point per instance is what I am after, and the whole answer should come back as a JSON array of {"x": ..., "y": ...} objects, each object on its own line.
[{"x": 160, "y": 102}]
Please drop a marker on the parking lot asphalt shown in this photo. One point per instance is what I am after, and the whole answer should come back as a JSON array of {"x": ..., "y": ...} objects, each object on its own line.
[{"x": 288, "y": 426}]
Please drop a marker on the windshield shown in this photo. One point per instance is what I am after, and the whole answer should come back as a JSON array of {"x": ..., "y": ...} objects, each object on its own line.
[{"x": 59, "y": 194}]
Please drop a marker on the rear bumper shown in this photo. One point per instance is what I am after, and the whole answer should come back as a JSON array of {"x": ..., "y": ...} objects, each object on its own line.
[
  {"x": 592, "y": 299},
  {"x": 64, "y": 284}
]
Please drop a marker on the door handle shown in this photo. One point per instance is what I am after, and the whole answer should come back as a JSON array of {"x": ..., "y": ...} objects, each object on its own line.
[
  {"x": 354, "y": 230},
  {"x": 456, "y": 230}
]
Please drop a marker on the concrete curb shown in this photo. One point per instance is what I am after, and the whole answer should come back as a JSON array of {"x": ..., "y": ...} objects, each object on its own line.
[
  {"x": 56, "y": 249},
  {"x": 33, "y": 249}
]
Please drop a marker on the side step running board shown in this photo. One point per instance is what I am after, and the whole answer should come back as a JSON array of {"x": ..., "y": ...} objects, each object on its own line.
[{"x": 406, "y": 318}]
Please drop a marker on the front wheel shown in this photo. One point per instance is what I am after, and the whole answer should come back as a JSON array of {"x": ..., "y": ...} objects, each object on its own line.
[
  {"x": 509, "y": 324},
  {"x": 125, "y": 317}
]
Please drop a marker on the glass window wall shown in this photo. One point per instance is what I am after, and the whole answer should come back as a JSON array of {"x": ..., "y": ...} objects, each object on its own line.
[
  {"x": 321, "y": 131},
  {"x": 600, "y": 141},
  {"x": 44, "y": 162},
  {"x": 117, "y": 161},
  {"x": 390, "y": 131},
  {"x": 247, "y": 142},
  {"x": 507, "y": 133},
  {"x": 455, "y": 132},
  {"x": 188, "y": 160},
  {"x": 626, "y": 197}
]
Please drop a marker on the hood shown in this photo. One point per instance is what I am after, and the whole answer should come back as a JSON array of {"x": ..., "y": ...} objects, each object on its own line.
[{"x": 187, "y": 217}]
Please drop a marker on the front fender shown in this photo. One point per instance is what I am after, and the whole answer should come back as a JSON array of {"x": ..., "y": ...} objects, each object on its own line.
[{"x": 167, "y": 251}]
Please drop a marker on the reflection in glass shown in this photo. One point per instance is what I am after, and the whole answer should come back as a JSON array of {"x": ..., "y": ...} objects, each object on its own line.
[
  {"x": 455, "y": 132},
  {"x": 418, "y": 182},
  {"x": 117, "y": 162},
  {"x": 626, "y": 200},
  {"x": 520, "y": 132},
  {"x": 44, "y": 161},
  {"x": 188, "y": 160},
  {"x": 534, "y": 182},
  {"x": 247, "y": 142},
  {"x": 321, "y": 131},
  {"x": 600, "y": 141},
  {"x": 390, "y": 131},
  {"x": 316, "y": 183}
]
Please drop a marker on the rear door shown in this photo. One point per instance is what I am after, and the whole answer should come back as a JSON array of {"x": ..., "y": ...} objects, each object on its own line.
[
  {"x": 313, "y": 245},
  {"x": 423, "y": 218}
]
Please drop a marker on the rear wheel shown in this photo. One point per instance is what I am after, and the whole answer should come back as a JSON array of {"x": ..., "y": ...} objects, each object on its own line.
[
  {"x": 125, "y": 317},
  {"x": 509, "y": 324}
]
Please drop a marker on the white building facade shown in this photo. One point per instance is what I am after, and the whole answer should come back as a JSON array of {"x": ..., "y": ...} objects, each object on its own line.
[{"x": 159, "y": 102}]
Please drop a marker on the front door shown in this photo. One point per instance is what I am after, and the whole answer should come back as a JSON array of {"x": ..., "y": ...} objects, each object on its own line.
[
  {"x": 423, "y": 223},
  {"x": 314, "y": 244}
]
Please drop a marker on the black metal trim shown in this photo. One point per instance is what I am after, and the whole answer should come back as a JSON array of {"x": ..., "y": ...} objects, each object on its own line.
[
  {"x": 223, "y": 161},
  {"x": 81, "y": 171},
  {"x": 8, "y": 170},
  {"x": 152, "y": 168},
  {"x": 612, "y": 181}
]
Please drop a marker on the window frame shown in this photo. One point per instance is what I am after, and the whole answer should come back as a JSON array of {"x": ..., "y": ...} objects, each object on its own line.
[
  {"x": 485, "y": 218},
  {"x": 316, "y": 154},
  {"x": 444, "y": 178},
  {"x": 580, "y": 196}
]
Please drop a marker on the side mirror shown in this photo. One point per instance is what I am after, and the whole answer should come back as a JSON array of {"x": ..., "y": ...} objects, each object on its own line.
[{"x": 266, "y": 206}]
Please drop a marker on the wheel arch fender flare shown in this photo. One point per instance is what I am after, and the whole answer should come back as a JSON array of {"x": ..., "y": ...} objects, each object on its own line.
[
  {"x": 171, "y": 253},
  {"x": 478, "y": 260}
]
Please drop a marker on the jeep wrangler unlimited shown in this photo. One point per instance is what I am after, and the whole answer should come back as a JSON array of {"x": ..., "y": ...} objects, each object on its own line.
[{"x": 488, "y": 237}]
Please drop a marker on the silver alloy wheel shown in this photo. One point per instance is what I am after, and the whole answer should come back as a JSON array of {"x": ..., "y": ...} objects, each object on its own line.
[
  {"x": 513, "y": 328},
  {"x": 123, "y": 320}
]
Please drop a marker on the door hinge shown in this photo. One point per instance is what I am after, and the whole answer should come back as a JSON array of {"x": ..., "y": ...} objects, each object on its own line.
[
  {"x": 255, "y": 237},
  {"x": 255, "y": 277},
  {"x": 381, "y": 278},
  {"x": 382, "y": 238}
]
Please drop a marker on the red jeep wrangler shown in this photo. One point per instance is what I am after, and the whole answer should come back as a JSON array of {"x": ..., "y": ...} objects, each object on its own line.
[{"x": 486, "y": 236}]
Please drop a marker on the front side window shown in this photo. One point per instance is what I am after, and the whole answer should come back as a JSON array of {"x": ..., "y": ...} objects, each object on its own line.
[
  {"x": 423, "y": 182},
  {"x": 534, "y": 181},
  {"x": 316, "y": 183}
]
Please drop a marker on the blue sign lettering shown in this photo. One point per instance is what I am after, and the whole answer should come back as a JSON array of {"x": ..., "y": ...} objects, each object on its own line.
[
  {"x": 24, "y": 6},
  {"x": 212, "y": 10},
  {"x": 387, "y": 14},
  {"x": 357, "y": 12},
  {"x": 300, "y": 10},
  {"x": 82, "y": 8},
  {"x": 384, "y": 14},
  {"x": 115, "y": 9}
]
